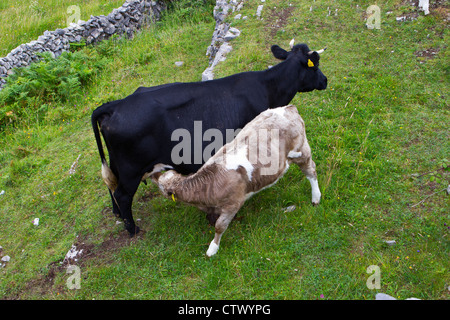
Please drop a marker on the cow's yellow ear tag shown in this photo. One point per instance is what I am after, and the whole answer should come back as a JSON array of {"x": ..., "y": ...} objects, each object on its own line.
[
  {"x": 310, "y": 63},
  {"x": 173, "y": 197}
]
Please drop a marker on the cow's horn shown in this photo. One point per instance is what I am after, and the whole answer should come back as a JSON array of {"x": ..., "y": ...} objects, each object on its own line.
[
  {"x": 321, "y": 50},
  {"x": 291, "y": 44}
]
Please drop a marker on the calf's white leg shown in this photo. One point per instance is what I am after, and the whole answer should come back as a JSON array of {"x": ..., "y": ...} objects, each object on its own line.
[
  {"x": 308, "y": 167},
  {"x": 221, "y": 225},
  {"x": 314, "y": 190},
  {"x": 213, "y": 248}
]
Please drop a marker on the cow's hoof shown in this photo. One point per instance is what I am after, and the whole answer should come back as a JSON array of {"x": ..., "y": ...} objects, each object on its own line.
[{"x": 134, "y": 231}]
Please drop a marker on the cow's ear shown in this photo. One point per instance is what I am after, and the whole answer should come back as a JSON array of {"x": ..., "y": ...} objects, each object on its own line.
[
  {"x": 312, "y": 59},
  {"x": 278, "y": 52},
  {"x": 314, "y": 56}
]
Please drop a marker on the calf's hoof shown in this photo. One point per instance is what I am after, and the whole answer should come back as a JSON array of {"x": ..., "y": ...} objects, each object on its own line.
[
  {"x": 212, "y": 250},
  {"x": 316, "y": 199}
]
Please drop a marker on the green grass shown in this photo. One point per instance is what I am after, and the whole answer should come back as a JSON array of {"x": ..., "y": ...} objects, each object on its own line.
[
  {"x": 379, "y": 136},
  {"x": 24, "y": 20}
]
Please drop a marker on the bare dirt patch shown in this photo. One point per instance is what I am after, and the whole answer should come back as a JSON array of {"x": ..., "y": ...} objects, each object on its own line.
[
  {"x": 278, "y": 18},
  {"x": 427, "y": 53},
  {"x": 80, "y": 254},
  {"x": 437, "y": 7}
]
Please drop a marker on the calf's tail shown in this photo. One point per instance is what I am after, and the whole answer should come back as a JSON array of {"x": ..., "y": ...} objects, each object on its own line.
[{"x": 108, "y": 176}]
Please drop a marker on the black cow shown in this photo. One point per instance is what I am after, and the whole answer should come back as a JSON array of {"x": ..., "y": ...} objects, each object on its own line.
[{"x": 138, "y": 129}]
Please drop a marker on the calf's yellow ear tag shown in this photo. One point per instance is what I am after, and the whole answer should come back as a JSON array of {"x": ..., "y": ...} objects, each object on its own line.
[
  {"x": 173, "y": 197},
  {"x": 310, "y": 63}
]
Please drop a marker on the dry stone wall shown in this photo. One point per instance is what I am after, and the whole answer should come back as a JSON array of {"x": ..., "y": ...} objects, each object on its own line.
[
  {"x": 222, "y": 34},
  {"x": 125, "y": 20}
]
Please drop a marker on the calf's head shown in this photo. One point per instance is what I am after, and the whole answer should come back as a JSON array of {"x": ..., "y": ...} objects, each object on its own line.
[
  {"x": 306, "y": 62},
  {"x": 164, "y": 180}
]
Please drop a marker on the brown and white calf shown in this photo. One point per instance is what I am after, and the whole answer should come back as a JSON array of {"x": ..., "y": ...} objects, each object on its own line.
[{"x": 258, "y": 156}]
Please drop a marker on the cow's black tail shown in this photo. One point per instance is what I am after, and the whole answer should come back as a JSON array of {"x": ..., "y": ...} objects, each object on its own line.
[{"x": 108, "y": 176}]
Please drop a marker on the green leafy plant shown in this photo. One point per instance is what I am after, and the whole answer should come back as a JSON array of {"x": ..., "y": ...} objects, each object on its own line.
[
  {"x": 436, "y": 175},
  {"x": 189, "y": 9},
  {"x": 30, "y": 89}
]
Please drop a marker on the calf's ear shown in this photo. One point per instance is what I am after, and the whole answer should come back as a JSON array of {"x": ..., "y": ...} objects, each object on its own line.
[
  {"x": 155, "y": 176},
  {"x": 278, "y": 52}
]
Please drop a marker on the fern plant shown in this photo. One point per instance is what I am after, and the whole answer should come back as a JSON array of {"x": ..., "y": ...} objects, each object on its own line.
[{"x": 50, "y": 81}]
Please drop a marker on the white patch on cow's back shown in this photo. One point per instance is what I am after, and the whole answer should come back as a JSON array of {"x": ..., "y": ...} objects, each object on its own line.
[
  {"x": 293, "y": 154},
  {"x": 167, "y": 175},
  {"x": 278, "y": 111},
  {"x": 235, "y": 159}
]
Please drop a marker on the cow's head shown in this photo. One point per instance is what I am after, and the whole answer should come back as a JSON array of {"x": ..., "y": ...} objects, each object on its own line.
[{"x": 310, "y": 76}]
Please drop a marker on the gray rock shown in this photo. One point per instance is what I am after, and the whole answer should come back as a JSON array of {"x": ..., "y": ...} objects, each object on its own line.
[
  {"x": 289, "y": 209},
  {"x": 231, "y": 34},
  {"x": 208, "y": 74},
  {"x": 110, "y": 29},
  {"x": 96, "y": 32},
  {"x": 259, "y": 11},
  {"x": 103, "y": 21},
  {"x": 383, "y": 296}
]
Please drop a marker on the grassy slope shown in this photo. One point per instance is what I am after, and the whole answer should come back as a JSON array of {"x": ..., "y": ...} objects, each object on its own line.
[{"x": 383, "y": 118}]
